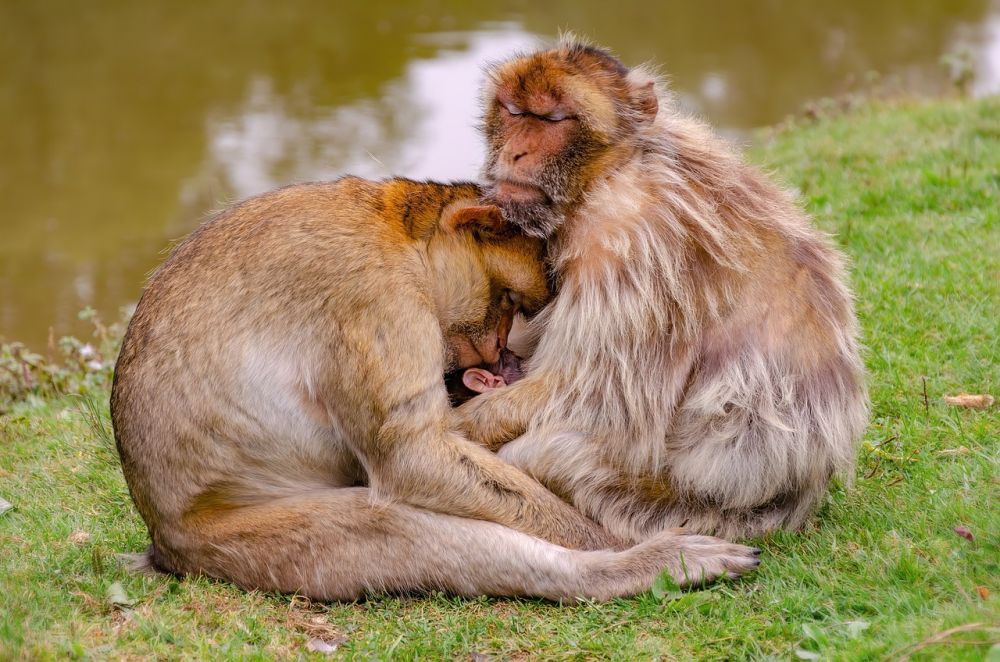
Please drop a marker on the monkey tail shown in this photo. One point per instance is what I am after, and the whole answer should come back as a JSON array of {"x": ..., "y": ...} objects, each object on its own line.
[
  {"x": 140, "y": 563},
  {"x": 148, "y": 563}
]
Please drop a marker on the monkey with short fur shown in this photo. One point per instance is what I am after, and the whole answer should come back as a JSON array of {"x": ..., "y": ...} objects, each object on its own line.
[
  {"x": 699, "y": 364},
  {"x": 281, "y": 416}
]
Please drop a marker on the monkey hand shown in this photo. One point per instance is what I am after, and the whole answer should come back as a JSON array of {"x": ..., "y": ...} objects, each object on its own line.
[{"x": 483, "y": 419}]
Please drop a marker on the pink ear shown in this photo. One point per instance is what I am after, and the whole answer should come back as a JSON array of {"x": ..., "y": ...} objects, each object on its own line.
[
  {"x": 484, "y": 217},
  {"x": 480, "y": 381}
]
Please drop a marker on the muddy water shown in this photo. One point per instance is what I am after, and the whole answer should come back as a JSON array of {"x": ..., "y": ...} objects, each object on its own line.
[{"x": 122, "y": 124}]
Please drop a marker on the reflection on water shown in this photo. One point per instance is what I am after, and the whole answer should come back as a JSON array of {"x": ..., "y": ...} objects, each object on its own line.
[
  {"x": 122, "y": 127},
  {"x": 987, "y": 62},
  {"x": 422, "y": 125}
]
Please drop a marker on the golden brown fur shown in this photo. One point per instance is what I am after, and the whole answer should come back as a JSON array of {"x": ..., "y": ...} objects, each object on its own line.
[
  {"x": 699, "y": 365},
  {"x": 281, "y": 416}
]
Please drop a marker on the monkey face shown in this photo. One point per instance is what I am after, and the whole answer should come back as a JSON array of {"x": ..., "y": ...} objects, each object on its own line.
[
  {"x": 488, "y": 272},
  {"x": 537, "y": 144},
  {"x": 554, "y": 121},
  {"x": 482, "y": 336}
]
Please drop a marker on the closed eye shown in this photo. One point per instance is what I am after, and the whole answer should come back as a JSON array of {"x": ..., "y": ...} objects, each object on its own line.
[
  {"x": 512, "y": 109},
  {"x": 557, "y": 116}
]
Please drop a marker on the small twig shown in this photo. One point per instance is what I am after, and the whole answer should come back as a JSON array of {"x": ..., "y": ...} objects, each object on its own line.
[
  {"x": 895, "y": 481},
  {"x": 616, "y": 624},
  {"x": 887, "y": 440},
  {"x": 878, "y": 463},
  {"x": 938, "y": 638},
  {"x": 927, "y": 403}
]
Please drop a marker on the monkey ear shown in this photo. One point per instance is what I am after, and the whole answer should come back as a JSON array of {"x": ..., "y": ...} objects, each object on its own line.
[
  {"x": 643, "y": 92},
  {"x": 478, "y": 217},
  {"x": 480, "y": 381}
]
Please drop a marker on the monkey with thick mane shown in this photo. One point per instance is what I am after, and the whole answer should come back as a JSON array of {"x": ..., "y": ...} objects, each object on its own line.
[{"x": 699, "y": 365}]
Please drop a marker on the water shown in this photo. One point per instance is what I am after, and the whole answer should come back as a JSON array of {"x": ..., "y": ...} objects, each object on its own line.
[{"x": 123, "y": 124}]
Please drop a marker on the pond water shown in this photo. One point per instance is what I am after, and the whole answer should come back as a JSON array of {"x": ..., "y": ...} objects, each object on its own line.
[{"x": 123, "y": 124}]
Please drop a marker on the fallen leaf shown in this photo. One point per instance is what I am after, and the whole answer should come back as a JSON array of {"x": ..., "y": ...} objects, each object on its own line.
[
  {"x": 79, "y": 537},
  {"x": 803, "y": 654},
  {"x": 666, "y": 588},
  {"x": 316, "y": 627},
  {"x": 964, "y": 532},
  {"x": 5, "y": 505},
  {"x": 328, "y": 647},
  {"x": 854, "y": 628},
  {"x": 961, "y": 450},
  {"x": 117, "y": 597},
  {"x": 983, "y": 592},
  {"x": 811, "y": 632},
  {"x": 970, "y": 401},
  {"x": 120, "y": 617}
]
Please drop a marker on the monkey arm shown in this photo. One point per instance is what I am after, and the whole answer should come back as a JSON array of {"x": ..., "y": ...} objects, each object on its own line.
[
  {"x": 565, "y": 377},
  {"x": 412, "y": 457},
  {"x": 494, "y": 418},
  {"x": 415, "y": 460}
]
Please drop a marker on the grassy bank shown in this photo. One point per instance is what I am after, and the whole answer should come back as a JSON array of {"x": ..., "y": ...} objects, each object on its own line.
[{"x": 912, "y": 193}]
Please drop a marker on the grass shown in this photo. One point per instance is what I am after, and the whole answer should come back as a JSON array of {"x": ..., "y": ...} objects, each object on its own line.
[{"x": 912, "y": 193}]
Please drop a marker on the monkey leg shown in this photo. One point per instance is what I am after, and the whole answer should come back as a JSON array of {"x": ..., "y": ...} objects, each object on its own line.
[
  {"x": 570, "y": 465},
  {"x": 339, "y": 544},
  {"x": 633, "y": 508},
  {"x": 450, "y": 474}
]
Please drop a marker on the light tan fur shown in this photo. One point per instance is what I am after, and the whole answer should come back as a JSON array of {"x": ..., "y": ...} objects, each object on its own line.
[
  {"x": 699, "y": 364},
  {"x": 281, "y": 416}
]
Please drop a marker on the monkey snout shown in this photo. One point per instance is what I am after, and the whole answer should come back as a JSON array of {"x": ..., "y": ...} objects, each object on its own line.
[
  {"x": 490, "y": 348},
  {"x": 512, "y": 190}
]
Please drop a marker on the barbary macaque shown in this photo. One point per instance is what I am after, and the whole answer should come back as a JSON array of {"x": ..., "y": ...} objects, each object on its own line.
[
  {"x": 699, "y": 363},
  {"x": 282, "y": 420},
  {"x": 466, "y": 383}
]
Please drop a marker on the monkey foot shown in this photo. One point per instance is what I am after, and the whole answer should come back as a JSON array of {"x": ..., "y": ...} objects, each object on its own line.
[{"x": 695, "y": 560}]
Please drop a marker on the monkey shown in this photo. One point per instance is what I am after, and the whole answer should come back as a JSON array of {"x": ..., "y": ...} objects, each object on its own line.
[
  {"x": 282, "y": 421},
  {"x": 699, "y": 364},
  {"x": 466, "y": 383}
]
